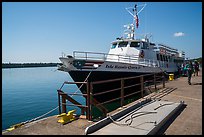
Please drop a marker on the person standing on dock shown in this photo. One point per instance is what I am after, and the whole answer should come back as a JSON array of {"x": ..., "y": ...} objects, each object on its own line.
[
  {"x": 196, "y": 67},
  {"x": 189, "y": 67}
]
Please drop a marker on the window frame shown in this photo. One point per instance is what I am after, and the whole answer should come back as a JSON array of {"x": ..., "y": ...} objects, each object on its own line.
[
  {"x": 134, "y": 44},
  {"x": 112, "y": 46},
  {"x": 119, "y": 46}
]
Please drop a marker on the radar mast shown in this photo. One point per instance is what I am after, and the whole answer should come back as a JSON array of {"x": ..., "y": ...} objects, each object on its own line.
[{"x": 130, "y": 28}]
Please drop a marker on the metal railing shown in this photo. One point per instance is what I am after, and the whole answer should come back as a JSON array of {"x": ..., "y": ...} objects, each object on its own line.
[
  {"x": 115, "y": 58},
  {"x": 144, "y": 82},
  {"x": 66, "y": 96}
]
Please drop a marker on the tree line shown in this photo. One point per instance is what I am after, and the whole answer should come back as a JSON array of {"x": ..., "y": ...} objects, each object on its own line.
[{"x": 25, "y": 65}]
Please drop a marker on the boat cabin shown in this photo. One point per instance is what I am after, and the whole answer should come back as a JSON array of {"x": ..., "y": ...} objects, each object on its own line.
[{"x": 140, "y": 48}]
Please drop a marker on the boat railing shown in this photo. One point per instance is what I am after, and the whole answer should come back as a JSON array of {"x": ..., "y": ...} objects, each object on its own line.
[
  {"x": 115, "y": 58},
  {"x": 141, "y": 84},
  {"x": 89, "y": 55}
]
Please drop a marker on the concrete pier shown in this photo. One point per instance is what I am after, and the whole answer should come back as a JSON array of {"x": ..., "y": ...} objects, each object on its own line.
[{"x": 187, "y": 122}]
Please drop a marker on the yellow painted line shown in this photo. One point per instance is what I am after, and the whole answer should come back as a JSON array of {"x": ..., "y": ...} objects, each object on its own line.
[{"x": 186, "y": 97}]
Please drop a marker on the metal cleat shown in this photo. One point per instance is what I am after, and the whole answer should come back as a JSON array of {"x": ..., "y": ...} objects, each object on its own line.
[
  {"x": 65, "y": 118},
  {"x": 15, "y": 126}
]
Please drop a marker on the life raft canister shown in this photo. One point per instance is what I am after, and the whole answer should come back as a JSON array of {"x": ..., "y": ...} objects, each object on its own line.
[{"x": 141, "y": 54}]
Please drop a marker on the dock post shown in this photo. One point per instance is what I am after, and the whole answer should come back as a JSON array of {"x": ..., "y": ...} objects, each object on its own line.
[
  {"x": 91, "y": 100},
  {"x": 142, "y": 85},
  {"x": 122, "y": 93},
  {"x": 59, "y": 102},
  {"x": 88, "y": 101},
  {"x": 155, "y": 85},
  {"x": 163, "y": 78},
  {"x": 64, "y": 103}
]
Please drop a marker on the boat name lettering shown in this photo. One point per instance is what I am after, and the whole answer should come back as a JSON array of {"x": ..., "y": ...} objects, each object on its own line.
[
  {"x": 109, "y": 66},
  {"x": 122, "y": 67},
  {"x": 132, "y": 67}
]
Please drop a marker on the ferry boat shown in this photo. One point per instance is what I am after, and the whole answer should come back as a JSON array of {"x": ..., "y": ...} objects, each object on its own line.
[{"x": 127, "y": 57}]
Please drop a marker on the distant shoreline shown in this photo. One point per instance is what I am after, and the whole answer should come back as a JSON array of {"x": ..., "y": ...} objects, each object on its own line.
[{"x": 28, "y": 65}]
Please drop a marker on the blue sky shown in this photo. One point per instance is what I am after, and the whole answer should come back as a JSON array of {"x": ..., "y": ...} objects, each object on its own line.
[{"x": 41, "y": 31}]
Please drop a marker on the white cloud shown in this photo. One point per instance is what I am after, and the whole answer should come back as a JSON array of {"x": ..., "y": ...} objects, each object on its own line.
[{"x": 178, "y": 34}]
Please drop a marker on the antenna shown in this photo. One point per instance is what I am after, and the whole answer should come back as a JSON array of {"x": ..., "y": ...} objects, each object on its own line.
[{"x": 135, "y": 18}]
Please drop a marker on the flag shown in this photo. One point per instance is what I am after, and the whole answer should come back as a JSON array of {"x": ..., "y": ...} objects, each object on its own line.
[{"x": 137, "y": 21}]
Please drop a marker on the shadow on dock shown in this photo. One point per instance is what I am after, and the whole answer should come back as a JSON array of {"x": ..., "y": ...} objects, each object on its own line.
[{"x": 170, "y": 121}]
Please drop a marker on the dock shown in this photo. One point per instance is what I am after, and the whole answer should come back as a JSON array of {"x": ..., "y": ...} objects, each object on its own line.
[{"x": 187, "y": 122}]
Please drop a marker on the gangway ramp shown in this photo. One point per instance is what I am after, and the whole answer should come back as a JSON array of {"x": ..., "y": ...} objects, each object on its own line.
[{"x": 144, "y": 118}]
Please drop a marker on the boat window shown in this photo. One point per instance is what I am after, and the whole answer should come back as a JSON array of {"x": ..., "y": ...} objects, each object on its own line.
[
  {"x": 144, "y": 45},
  {"x": 135, "y": 44},
  {"x": 113, "y": 45},
  {"x": 122, "y": 44}
]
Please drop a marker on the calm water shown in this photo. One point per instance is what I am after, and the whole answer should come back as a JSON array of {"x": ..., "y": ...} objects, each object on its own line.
[{"x": 31, "y": 92}]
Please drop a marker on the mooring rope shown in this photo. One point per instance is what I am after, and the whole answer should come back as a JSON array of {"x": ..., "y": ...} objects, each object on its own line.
[
  {"x": 83, "y": 83},
  {"x": 34, "y": 119}
]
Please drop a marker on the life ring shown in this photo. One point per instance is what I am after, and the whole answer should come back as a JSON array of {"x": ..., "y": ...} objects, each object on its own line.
[{"x": 141, "y": 54}]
